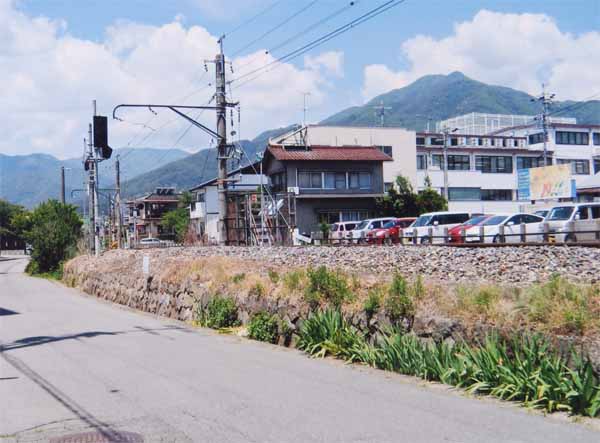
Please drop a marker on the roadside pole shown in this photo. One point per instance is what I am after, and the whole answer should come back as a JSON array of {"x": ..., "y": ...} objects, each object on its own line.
[
  {"x": 62, "y": 185},
  {"x": 118, "y": 203},
  {"x": 221, "y": 103}
]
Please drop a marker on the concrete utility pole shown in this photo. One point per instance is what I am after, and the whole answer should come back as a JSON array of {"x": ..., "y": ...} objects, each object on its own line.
[
  {"x": 221, "y": 104},
  {"x": 62, "y": 185},
  {"x": 546, "y": 100},
  {"x": 90, "y": 191},
  {"x": 119, "y": 220},
  {"x": 445, "y": 133},
  {"x": 305, "y": 109},
  {"x": 94, "y": 166}
]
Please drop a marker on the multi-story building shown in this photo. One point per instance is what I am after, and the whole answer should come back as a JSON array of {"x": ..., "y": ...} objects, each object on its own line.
[{"x": 144, "y": 215}]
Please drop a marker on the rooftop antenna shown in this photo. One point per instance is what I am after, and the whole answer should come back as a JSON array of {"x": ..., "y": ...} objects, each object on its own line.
[{"x": 380, "y": 112}]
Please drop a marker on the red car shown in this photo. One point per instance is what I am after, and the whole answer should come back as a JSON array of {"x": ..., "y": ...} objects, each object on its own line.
[
  {"x": 455, "y": 234},
  {"x": 390, "y": 232}
]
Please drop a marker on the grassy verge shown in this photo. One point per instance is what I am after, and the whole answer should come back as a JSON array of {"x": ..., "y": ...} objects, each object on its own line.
[{"x": 524, "y": 369}]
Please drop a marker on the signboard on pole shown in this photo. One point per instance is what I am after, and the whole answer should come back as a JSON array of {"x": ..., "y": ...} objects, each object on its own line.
[{"x": 546, "y": 182}]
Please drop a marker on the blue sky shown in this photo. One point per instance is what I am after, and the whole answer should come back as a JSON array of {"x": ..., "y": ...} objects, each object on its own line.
[{"x": 132, "y": 50}]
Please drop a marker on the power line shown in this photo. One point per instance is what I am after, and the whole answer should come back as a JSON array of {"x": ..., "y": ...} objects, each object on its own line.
[
  {"x": 574, "y": 106},
  {"x": 275, "y": 28},
  {"x": 251, "y": 19},
  {"x": 321, "y": 40}
]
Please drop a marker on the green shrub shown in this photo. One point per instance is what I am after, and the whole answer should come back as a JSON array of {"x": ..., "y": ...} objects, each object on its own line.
[
  {"x": 328, "y": 286},
  {"x": 264, "y": 327},
  {"x": 417, "y": 290},
  {"x": 238, "y": 278},
  {"x": 292, "y": 280},
  {"x": 398, "y": 303},
  {"x": 372, "y": 303},
  {"x": 220, "y": 312},
  {"x": 273, "y": 276},
  {"x": 478, "y": 301},
  {"x": 257, "y": 290}
]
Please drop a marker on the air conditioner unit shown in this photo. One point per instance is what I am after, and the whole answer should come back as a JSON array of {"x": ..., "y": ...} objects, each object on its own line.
[{"x": 294, "y": 190}]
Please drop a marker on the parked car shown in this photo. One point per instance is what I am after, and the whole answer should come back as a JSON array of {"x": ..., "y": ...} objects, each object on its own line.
[
  {"x": 390, "y": 232},
  {"x": 541, "y": 212},
  {"x": 437, "y": 221},
  {"x": 359, "y": 234},
  {"x": 572, "y": 222},
  {"x": 512, "y": 228},
  {"x": 340, "y": 230},
  {"x": 150, "y": 242},
  {"x": 455, "y": 233}
]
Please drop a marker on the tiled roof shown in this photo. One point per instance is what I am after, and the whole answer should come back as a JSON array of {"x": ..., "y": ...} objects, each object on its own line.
[{"x": 329, "y": 153}]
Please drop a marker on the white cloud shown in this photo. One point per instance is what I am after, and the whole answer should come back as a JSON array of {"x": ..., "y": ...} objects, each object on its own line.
[
  {"x": 515, "y": 50},
  {"x": 332, "y": 62},
  {"x": 49, "y": 78}
]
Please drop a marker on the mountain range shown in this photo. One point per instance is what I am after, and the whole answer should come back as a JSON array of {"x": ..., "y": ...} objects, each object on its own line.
[{"x": 27, "y": 180}]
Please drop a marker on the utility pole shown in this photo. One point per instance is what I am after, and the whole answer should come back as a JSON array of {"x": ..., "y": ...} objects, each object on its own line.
[
  {"x": 118, "y": 203},
  {"x": 445, "y": 133},
  {"x": 62, "y": 185},
  {"x": 305, "y": 109},
  {"x": 90, "y": 191},
  {"x": 221, "y": 105},
  {"x": 546, "y": 100},
  {"x": 380, "y": 111}
]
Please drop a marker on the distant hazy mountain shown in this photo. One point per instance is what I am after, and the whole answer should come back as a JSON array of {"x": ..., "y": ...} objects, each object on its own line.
[
  {"x": 30, "y": 179},
  {"x": 439, "y": 97},
  {"x": 196, "y": 168}
]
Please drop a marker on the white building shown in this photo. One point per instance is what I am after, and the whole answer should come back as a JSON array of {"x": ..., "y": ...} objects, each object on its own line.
[{"x": 477, "y": 123}]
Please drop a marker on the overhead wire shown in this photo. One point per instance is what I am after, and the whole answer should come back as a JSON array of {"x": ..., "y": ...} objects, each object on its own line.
[
  {"x": 319, "y": 41},
  {"x": 251, "y": 19},
  {"x": 574, "y": 106},
  {"x": 275, "y": 28}
]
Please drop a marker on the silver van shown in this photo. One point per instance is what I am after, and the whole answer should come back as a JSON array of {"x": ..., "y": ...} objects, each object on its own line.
[{"x": 573, "y": 222}]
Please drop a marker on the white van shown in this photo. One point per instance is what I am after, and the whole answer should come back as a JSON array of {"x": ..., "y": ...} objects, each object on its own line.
[
  {"x": 359, "y": 234},
  {"x": 580, "y": 218},
  {"x": 437, "y": 221},
  {"x": 340, "y": 230}
]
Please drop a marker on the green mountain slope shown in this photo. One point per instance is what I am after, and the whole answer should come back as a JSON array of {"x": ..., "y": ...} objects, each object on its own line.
[
  {"x": 196, "y": 168},
  {"x": 30, "y": 179},
  {"x": 438, "y": 97}
]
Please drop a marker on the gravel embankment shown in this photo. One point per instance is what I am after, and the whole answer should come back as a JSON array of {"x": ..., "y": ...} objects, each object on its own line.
[{"x": 506, "y": 265}]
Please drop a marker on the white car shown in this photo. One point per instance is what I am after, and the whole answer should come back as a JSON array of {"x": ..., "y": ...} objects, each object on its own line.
[
  {"x": 512, "y": 229},
  {"x": 430, "y": 227},
  {"x": 150, "y": 241},
  {"x": 573, "y": 222},
  {"x": 359, "y": 233},
  {"x": 340, "y": 230}
]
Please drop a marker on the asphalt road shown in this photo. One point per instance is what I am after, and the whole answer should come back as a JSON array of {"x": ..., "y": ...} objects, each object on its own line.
[{"x": 71, "y": 364}]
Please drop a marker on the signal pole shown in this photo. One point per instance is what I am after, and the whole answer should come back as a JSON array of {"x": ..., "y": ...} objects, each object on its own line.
[
  {"x": 546, "y": 100},
  {"x": 62, "y": 185},
  {"x": 380, "y": 111}
]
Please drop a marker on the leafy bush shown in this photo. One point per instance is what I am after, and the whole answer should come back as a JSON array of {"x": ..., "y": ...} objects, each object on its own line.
[
  {"x": 53, "y": 234},
  {"x": 372, "y": 303},
  {"x": 328, "y": 286},
  {"x": 264, "y": 327},
  {"x": 328, "y": 333},
  {"x": 566, "y": 307},
  {"x": 258, "y": 290},
  {"x": 273, "y": 276},
  {"x": 398, "y": 304},
  {"x": 220, "y": 312},
  {"x": 292, "y": 280}
]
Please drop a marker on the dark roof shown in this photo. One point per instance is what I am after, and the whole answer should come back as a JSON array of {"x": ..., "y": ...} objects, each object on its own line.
[{"x": 329, "y": 153}]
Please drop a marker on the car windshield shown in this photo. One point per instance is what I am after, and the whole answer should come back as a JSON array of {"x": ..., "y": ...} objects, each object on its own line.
[
  {"x": 362, "y": 225},
  {"x": 541, "y": 213},
  {"x": 335, "y": 227},
  {"x": 421, "y": 221},
  {"x": 389, "y": 224},
  {"x": 496, "y": 220},
  {"x": 475, "y": 220},
  {"x": 561, "y": 213}
]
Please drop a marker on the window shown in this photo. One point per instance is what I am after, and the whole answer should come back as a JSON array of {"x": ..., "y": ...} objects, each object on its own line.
[
  {"x": 437, "y": 141},
  {"x": 354, "y": 216},
  {"x": 453, "y": 141},
  {"x": 200, "y": 197},
  {"x": 329, "y": 180},
  {"x": 387, "y": 186},
  {"x": 527, "y": 218},
  {"x": 578, "y": 167},
  {"x": 597, "y": 138},
  {"x": 480, "y": 141},
  {"x": 340, "y": 180},
  {"x": 277, "y": 181},
  {"x": 451, "y": 219},
  {"x": 493, "y": 164},
  {"x": 387, "y": 150},
  {"x": 596, "y": 165},
  {"x": 572, "y": 138},
  {"x": 464, "y": 194},
  {"x": 595, "y": 212},
  {"x": 459, "y": 163},
  {"x": 420, "y": 141},
  {"x": 421, "y": 162},
  {"x": 310, "y": 180},
  {"x": 364, "y": 180},
  {"x": 582, "y": 212},
  {"x": 531, "y": 162},
  {"x": 516, "y": 143},
  {"x": 534, "y": 139},
  {"x": 496, "y": 194},
  {"x": 437, "y": 160}
]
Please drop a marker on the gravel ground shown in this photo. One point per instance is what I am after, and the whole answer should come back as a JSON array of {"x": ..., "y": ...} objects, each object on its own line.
[{"x": 506, "y": 265}]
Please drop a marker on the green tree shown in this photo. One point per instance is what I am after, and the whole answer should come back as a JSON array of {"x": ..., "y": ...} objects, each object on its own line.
[
  {"x": 53, "y": 231},
  {"x": 12, "y": 220},
  {"x": 401, "y": 200},
  {"x": 429, "y": 200},
  {"x": 178, "y": 220}
]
